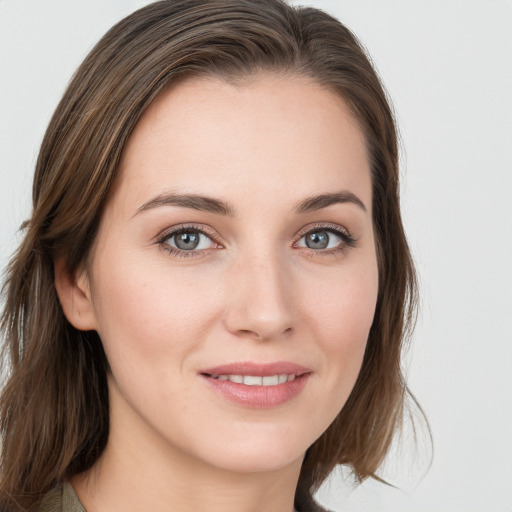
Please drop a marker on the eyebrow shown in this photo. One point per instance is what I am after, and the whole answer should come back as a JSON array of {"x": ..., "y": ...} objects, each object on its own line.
[
  {"x": 209, "y": 204},
  {"x": 315, "y": 203},
  {"x": 194, "y": 201}
]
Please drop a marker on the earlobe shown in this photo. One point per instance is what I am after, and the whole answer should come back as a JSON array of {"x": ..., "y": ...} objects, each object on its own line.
[{"x": 74, "y": 294}]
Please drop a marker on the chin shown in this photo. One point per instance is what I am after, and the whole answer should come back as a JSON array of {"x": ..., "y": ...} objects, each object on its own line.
[
  {"x": 258, "y": 462},
  {"x": 262, "y": 450}
]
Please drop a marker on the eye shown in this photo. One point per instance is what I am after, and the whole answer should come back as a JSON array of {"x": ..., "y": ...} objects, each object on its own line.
[
  {"x": 187, "y": 239},
  {"x": 326, "y": 239},
  {"x": 319, "y": 240}
]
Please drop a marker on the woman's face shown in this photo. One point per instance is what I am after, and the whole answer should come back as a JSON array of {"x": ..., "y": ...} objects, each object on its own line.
[{"x": 236, "y": 253}]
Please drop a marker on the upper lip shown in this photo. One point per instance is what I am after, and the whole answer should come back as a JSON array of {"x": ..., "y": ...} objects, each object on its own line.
[{"x": 257, "y": 369}]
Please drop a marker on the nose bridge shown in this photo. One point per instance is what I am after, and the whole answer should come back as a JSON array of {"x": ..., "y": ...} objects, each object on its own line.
[{"x": 260, "y": 303}]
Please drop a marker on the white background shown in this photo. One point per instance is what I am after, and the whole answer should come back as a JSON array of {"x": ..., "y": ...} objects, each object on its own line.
[{"x": 448, "y": 67}]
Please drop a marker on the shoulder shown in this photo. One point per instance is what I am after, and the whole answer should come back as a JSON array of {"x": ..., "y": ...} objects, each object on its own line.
[
  {"x": 52, "y": 502},
  {"x": 61, "y": 499}
]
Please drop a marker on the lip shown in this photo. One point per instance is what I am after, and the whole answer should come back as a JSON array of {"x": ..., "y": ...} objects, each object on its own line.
[{"x": 257, "y": 397}]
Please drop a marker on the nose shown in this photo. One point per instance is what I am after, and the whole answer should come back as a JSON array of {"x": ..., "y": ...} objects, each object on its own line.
[{"x": 260, "y": 304}]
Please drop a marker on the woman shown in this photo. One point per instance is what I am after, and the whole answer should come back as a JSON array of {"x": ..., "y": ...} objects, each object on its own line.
[{"x": 214, "y": 287}]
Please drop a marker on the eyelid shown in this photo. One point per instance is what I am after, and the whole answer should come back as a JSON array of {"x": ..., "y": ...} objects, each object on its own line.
[
  {"x": 326, "y": 226},
  {"x": 201, "y": 228}
]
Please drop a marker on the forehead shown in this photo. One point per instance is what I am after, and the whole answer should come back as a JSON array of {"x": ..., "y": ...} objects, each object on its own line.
[{"x": 269, "y": 132}]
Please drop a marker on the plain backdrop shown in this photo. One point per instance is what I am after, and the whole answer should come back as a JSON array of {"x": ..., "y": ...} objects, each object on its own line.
[{"x": 448, "y": 68}]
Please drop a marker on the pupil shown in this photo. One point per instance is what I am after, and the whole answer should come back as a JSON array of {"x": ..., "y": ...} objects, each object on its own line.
[
  {"x": 317, "y": 240},
  {"x": 187, "y": 240}
]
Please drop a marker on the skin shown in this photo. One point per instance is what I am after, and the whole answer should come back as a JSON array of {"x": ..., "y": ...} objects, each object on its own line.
[{"x": 256, "y": 293}]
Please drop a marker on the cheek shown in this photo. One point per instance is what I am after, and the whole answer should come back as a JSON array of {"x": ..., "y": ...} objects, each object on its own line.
[
  {"x": 145, "y": 312},
  {"x": 344, "y": 304},
  {"x": 342, "y": 311}
]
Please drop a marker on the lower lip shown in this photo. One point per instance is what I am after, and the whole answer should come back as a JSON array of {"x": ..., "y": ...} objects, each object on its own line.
[{"x": 258, "y": 397}]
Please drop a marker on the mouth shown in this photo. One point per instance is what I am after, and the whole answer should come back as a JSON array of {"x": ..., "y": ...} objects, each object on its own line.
[{"x": 257, "y": 385}]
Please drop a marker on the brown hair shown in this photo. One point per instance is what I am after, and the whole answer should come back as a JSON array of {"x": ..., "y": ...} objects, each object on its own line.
[{"x": 54, "y": 413}]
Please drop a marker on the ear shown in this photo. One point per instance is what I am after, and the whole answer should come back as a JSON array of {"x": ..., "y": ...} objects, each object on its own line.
[{"x": 74, "y": 293}]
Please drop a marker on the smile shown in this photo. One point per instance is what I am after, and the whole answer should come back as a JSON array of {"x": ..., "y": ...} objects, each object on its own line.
[
  {"x": 254, "y": 380},
  {"x": 259, "y": 386}
]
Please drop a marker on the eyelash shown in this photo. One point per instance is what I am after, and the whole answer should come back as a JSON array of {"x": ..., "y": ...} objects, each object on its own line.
[{"x": 347, "y": 241}]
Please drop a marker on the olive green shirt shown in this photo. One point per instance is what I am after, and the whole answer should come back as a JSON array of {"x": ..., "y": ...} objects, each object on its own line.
[{"x": 62, "y": 499}]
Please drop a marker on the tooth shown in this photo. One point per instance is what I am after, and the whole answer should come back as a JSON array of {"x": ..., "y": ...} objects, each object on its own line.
[
  {"x": 271, "y": 380},
  {"x": 250, "y": 380}
]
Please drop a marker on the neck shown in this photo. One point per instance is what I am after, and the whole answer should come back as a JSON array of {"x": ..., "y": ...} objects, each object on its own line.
[{"x": 142, "y": 472}]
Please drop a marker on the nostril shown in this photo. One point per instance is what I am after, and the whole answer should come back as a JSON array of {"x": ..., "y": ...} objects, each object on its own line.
[{"x": 264, "y": 333}]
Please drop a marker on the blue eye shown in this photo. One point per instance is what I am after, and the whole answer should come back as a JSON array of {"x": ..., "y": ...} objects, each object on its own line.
[
  {"x": 320, "y": 240},
  {"x": 189, "y": 240},
  {"x": 327, "y": 240}
]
